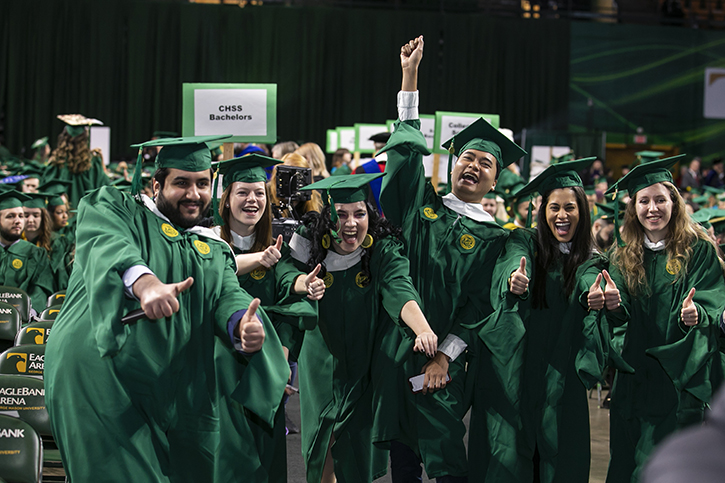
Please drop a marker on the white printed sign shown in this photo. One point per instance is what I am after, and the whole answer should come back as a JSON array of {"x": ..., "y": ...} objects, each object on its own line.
[
  {"x": 714, "y": 104},
  {"x": 240, "y": 112}
]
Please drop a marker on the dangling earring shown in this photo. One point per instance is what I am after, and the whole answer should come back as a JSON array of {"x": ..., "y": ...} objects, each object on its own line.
[
  {"x": 227, "y": 205},
  {"x": 367, "y": 241},
  {"x": 325, "y": 241}
]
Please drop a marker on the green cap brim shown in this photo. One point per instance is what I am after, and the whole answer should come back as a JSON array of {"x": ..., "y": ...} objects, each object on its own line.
[
  {"x": 561, "y": 175},
  {"x": 646, "y": 174},
  {"x": 12, "y": 199},
  {"x": 245, "y": 169},
  {"x": 482, "y": 136}
]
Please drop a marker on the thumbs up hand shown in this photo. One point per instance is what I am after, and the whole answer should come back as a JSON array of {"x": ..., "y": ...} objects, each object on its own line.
[
  {"x": 315, "y": 286},
  {"x": 518, "y": 281},
  {"x": 251, "y": 330},
  {"x": 612, "y": 299},
  {"x": 158, "y": 299},
  {"x": 272, "y": 254},
  {"x": 688, "y": 314},
  {"x": 595, "y": 299}
]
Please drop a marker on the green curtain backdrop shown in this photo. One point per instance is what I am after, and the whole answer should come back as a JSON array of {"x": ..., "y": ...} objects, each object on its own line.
[
  {"x": 124, "y": 62},
  {"x": 649, "y": 77}
]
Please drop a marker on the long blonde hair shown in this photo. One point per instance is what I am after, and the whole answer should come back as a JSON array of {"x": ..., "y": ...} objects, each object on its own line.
[
  {"x": 316, "y": 157},
  {"x": 293, "y": 159},
  {"x": 682, "y": 235}
]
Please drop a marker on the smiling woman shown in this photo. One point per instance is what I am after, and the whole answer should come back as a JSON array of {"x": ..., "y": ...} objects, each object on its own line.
[
  {"x": 671, "y": 284},
  {"x": 547, "y": 273}
]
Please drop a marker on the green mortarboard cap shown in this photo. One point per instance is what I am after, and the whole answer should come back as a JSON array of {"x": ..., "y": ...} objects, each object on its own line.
[
  {"x": 247, "y": 169},
  {"x": 481, "y": 135},
  {"x": 606, "y": 211},
  {"x": 707, "y": 214},
  {"x": 718, "y": 224},
  {"x": 713, "y": 190},
  {"x": 589, "y": 190},
  {"x": 647, "y": 156},
  {"x": 562, "y": 159},
  {"x": 701, "y": 200},
  {"x": 491, "y": 195},
  {"x": 12, "y": 199},
  {"x": 37, "y": 200},
  {"x": 189, "y": 153},
  {"x": 32, "y": 172},
  {"x": 55, "y": 186},
  {"x": 55, "y": 201},
  {"x": 349, "y": 188},
  {"x": 646, "y": 174},
  {"x": 508, "y": 183},
  {"x": 165, "y": 134},
  {"x": 562, "y": 175},
  {"x": 39, "y": 143}
]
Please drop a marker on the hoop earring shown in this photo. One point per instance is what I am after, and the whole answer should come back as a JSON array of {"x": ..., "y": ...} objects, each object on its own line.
[
  {"x": 367, "y": 241},
  {"x": 325, "y": 241}
]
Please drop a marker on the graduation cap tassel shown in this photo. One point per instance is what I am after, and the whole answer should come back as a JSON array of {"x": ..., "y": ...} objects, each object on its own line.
[
  {"x": 136, "y": 184},
  {"x": 216, "y": 199},
  {"x": 451, "y": 150},
  {"x": 617, "y": 237},
  {"x": 333, "y": 217}
]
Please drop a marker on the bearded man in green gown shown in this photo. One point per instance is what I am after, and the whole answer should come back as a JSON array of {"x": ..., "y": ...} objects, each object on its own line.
[{"x": 138, "y": 401}]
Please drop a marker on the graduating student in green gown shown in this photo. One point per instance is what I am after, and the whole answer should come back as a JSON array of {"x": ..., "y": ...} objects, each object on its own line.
[
  {"x": 452, "y": 245},
  {"x": 341, "y": 361},
  {"x": 37, "y": 221},
  {"x": 265, "y": 270},
  {"x": 671, "y": 282},
  {"x": 22, "y": 264},
  {"x": 138, "y": 402},
  {"x": 73, "y": 160},
  {"x": 542, "y": 283},
  {"x": 62, "y": 242}
]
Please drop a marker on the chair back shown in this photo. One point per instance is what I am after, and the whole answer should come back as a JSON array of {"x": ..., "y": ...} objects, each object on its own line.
[
  {"x": 26, "y": 360},
  {"x": 18, "y": 298},
  {"x": 56, "y": 299},
  {"x": 21, "y": 451},
  {"x": 35, "y": 333}
]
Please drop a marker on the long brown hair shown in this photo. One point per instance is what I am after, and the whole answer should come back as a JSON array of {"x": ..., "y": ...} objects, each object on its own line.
[
  {"x": 72, "y": 152},
  {"x": 262, "y": 230},
  {"x": 682, "y": 235},
  {"x": 43, "y": 239},
  {"x": 316, "y": 157}
]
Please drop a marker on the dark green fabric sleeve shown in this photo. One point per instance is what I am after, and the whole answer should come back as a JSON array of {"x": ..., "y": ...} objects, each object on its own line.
[
  {"x": 391, "y": 271},
  {"x": 404, "y": 188}
]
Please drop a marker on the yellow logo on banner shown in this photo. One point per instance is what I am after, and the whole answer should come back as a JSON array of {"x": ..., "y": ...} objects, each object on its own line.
[
  {"x": 429, "y": 213},
  {"x": 20, "y": 360},
  {"x": 17, "y": 264},
  {"x": 169, "y": 230},
  {"x": 361, "y": 279},
  {"x": 467, "y": 242},
  {"x": 328, "y": 279},
  {"x": 258, "y": 274},
  {"x": 202, "y": 247},
  {"x": 673, "y": 266}
]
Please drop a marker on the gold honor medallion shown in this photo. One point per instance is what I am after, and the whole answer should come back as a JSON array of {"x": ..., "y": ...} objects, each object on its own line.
[
  {"x": 17, "y": 264},
  {"x": 169, "y": 230},
  {"x": 361, "y": 279},
  {"x": 258, "y": 274},
  {"x": 429, "y": 213},
  {"x": 202, "y": 247},
  {"x": 673, "y": 266},
  {"x": 328, "y": 279},
  {"x": 467, "y": 242}
]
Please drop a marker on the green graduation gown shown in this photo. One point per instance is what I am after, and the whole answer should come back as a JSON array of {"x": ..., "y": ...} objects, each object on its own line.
[
  {"x": 338, "y": 358},
  {"x": 563, "y": 355},
  {"x": 94, "y": 178},
  {"x": 139, "y": 402},
  {"x": 249, "y": 446},
  {"x": 672, "y": 362},
  {"x": 451, "y": 260},
  {"x": 62, "y": 246},
  {"x": 25, "y": 266}
]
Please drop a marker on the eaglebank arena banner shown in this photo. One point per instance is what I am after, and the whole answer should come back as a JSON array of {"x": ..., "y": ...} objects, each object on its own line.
[{"x": 246, "y": 111}]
